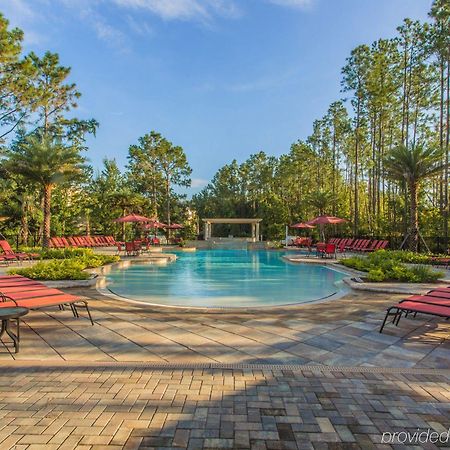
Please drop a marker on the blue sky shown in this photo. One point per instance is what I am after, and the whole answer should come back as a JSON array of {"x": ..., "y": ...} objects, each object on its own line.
[{"x": 222, "y": 78}]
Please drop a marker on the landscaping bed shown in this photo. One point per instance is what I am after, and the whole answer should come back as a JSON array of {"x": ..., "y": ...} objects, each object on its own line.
[
  {"x": 385, "y": 265},
  {"x": 64, "y": 264}
]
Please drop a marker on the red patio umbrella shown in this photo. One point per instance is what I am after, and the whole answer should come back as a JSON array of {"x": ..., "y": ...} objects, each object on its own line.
[
  {"x": 132, "y": 218},
  {"x": 302, "y": 225},
  {"x": 325, "y": 220},
  {"x": 153, "y": 223},
  {"x": 174, "y": 226}
]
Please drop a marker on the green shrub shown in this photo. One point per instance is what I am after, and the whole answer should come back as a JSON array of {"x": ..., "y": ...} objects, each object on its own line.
[
  {"x": 425, "y": 275},
  {"x": 388, "y": 265},
  {"x": 66, "y": 269},
  {"x": 405, "y": 256},
  {"x": 376, "y": 275},
  {"x": 65, "y": 253},
  {"x": 356, "y": 262},
  {"x": 68, "y": 264}
]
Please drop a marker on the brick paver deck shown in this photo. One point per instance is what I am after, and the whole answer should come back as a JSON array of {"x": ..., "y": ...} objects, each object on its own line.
[
  {"x": 337, "y": 332},
  {"x": 145, "y": 377},
  {"x": 129, "y": 406}
]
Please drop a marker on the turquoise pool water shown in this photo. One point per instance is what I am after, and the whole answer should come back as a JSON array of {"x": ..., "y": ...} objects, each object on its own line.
[{"x": 226, "y": 278}]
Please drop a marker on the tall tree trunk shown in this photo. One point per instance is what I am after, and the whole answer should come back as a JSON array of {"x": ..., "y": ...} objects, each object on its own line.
[
  {"x": 168, "y": 200},
  {"x": 47, "y": 215},
  {"x": 88, "y": 223},
  {"x": 24, "y": 229},
  {"x": 334, "y": 173},
  {"x": 414, "y": 217},
  {"x": 355, "y": 194},
  {"x": 123, "y": 225},
  {"x": 446, "y": 172}
]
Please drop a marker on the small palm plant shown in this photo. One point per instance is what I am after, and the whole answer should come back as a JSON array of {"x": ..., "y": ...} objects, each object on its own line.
[
  {"x": 45, "y": 161},
  {"x": 414, "y": 166}
]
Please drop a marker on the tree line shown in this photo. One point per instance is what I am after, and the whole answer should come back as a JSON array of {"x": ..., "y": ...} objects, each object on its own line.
[
  {"x": 47, "y": 186},
  {"x": 378, "y": 157}
]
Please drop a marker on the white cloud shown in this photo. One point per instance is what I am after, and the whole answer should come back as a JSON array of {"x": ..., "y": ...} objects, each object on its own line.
[
  {"x": 139, "y": 27},
  {"x": 300, "y": 4},
  {"x": 183, "y": 9},
  {"x": 198, "y": 183},
  {"x": 29, "y": 15},
  {"x": 167, "y": 9}
]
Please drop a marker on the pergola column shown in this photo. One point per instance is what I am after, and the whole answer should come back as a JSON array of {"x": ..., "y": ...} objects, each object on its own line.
[
  {"x": 254, "y": 223},
  {"x": 207, "y": 231}
]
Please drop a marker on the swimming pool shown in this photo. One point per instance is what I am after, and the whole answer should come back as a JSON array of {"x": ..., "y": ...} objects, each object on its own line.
[{"x": 225, "y": 279}]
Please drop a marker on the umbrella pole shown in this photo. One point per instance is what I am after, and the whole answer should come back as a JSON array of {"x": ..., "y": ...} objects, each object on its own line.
[{"x": 286, "y": 240}]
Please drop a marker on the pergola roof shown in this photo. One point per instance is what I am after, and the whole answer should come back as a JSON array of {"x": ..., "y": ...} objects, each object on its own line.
[{"x": 230, "y": 220}]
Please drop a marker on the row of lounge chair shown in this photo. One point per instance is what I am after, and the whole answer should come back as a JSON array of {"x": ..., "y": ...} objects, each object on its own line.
[
  {"x": 358, "y": 245},
  {"x": 434, "y": 303},
  {"x": 82, "y": 241},
  {"x": 16, "y": 290}
]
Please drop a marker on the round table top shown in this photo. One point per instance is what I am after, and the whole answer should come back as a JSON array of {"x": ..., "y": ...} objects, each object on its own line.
[{"x": 12, "y": 313}]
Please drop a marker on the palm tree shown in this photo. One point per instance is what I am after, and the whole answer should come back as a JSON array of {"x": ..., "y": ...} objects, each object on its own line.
[
  {"x": 322, "y": 201},
  {"x": 46, "y": 161},
  {"x": 413, "y": 166}
]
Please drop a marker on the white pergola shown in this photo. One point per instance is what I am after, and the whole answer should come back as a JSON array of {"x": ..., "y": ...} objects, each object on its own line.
[{"x": 208, "y": 223}]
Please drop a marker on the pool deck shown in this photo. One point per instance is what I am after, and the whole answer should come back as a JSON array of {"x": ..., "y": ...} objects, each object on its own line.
[{"x": 149, "y": 377}]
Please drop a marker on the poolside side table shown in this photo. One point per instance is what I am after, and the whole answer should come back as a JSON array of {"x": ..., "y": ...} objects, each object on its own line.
[{"x": 8, "y": 314}]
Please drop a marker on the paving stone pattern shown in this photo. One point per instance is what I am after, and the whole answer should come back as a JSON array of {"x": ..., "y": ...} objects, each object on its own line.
[
  {"x": 147, "y": 377},
  {"x": 338, "y": 332},
  {"x": 133, "y": 407}
]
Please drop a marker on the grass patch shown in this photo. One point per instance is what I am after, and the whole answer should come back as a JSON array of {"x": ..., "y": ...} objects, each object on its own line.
[{"x": 386, "y": 265}]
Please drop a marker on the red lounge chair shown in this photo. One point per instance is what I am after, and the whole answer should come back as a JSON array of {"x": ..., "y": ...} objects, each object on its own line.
[
  {"x": 430, "y": 300},
  {"x": 80, "y": 240},
  {"x": 25, "y": 293},
  {"x": 9, "y": 253},
  {"x": 436, "y": 298},
  {"x": 356, "y": 244},
  {"x": 371, "y": 247},
  {"x": 61, "y": 242},
  {"x": 365, "y": 244},
  {"x": 407, "y": 307},
  {"x": 71, "y": 241},
  {"x": 383, "y": 245},
  {"x": 52, "y": 243},
  {"x": 35, "y": 295},
  {"x": 65, "y": 242},
  {"x": 442, "y": 293},
  {"x": 98, "y": 241},
  {"x": 16, "y": 281},
  {"x": 349, "y": 243}
]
